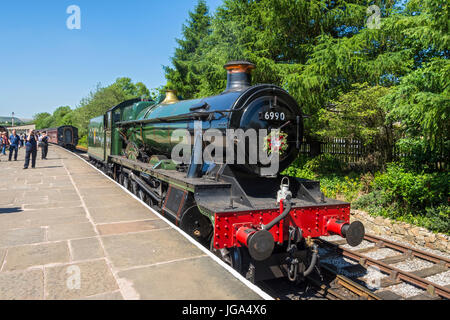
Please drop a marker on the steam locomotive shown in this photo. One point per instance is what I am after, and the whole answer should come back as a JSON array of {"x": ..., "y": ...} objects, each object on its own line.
[{"x": 259, "y": 222}]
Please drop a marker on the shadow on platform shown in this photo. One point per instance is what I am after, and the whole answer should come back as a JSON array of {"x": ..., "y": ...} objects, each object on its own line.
[{"x": 10, "y": 210}]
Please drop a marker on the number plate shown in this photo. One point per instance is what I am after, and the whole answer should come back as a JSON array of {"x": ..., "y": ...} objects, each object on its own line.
[{"x": 273, "y": 116}]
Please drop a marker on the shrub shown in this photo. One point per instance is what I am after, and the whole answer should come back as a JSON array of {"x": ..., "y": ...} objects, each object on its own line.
[
  {"x": 438, "y": 219},
  {"x": 325, "y": 163},
  {"x": 83, "y": 141},
  {"x": 328, "y": 170},
  {"x": 298, "y": 169},
  {"x": 342, "y": 187},
  {"x": 410, "y": 190},
  {"x": 417, "y": 198}
]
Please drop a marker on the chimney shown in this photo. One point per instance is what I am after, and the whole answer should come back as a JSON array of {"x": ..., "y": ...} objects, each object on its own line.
[{"x": 239, "y": 75}]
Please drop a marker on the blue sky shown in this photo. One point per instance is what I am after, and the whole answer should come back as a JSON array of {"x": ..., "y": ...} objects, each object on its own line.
[{"x": 44, "y": 65}]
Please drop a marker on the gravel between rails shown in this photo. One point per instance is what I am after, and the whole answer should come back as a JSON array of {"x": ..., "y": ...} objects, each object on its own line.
[
  {"x": 373, "y": 278},
  {"x": 413, "y": 265},
  {"x": 435, "y": 252},
  {"x": 442, "y": 279},
  {"x": 405, "y": 290},
  {"x": 382, "y": 253},
  {"x": 339, "y": 261}
]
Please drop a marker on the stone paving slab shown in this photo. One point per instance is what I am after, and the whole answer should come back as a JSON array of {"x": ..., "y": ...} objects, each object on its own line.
[
  {"x": 127, "y": 227},
  {"x": 148, "y": 248},
  {"x": 71, "y": 231},
  {"x": 120, "y": 214},
  {"x": 53, "y": 205},
  {"x": 68, "y": 232},
  {"x": 24, "y": 257},
  {"x": 86, "y": 249},
  {"x": 23, "y": 285},
  {"x": 202, "y": 277},
  {"x": 96, "y": 278},
  {"x": 17, "y": 237}
]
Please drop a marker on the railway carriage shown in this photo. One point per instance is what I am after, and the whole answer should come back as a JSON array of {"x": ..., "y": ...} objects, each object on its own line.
[
  {"x": 64, "y": 136},
  {"x": 262, "y": 224}
]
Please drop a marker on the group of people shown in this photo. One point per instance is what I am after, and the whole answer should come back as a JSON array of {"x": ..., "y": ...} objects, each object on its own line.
[
  {"x": 31, "y": 142},
  {"x": 5, "y": 142}
]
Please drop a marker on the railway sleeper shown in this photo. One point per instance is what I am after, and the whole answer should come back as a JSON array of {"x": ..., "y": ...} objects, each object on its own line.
[
  {"x": 396, "y": 259},
  {"x": 431, "y": 271}
]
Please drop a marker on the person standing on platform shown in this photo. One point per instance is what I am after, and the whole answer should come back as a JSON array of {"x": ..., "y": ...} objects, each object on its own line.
[
  {"x": 14, "y": 142},
  {"x": 31, "y": 150},
  {"x": 5, "y": 143},
  {"x": 1, "y": 143},
  {"x": 44, "y": 145},
  {"x": 22, "y": 139}
]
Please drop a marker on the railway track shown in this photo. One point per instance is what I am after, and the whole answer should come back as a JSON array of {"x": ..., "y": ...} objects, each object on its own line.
[
  {"x": 349, "y": 282},
  {"x": 389, "y": 274},
  {"x": 330, "y": 286}
]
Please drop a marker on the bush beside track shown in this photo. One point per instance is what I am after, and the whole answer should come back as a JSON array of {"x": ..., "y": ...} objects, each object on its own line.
[{"x": 418, "y": 198}]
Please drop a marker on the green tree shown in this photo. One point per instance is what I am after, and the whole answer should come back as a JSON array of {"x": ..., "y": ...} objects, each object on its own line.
[
  {"x": 421, "y": 105},
  {"x": 59, "y": 114},
  {"x": 420, "y": 102},
  {"x": 319, "y": 50},
  {"x": 314, "y": 49},
  {"x": 69, "y": 119},
  {"x": 185, "y": 75},
  {"x": 359, "y": 114},
  {"x": 43, "y": 120}
]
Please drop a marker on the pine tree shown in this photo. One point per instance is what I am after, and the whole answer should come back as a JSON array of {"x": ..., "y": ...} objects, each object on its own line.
[{"x": 185, "y": 75}]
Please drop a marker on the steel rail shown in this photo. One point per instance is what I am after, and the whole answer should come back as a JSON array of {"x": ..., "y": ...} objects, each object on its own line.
[
  {"x": 408, "y": 277},
  {"x": 325, "y": 291},
  {"x": 406, "y": 249},
  {"x": 352, "y": 285}
]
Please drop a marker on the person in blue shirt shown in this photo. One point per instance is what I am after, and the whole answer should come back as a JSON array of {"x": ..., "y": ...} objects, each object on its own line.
[
  {"x": 14, "y": 142},
  {"x": 31, "y": 150}
]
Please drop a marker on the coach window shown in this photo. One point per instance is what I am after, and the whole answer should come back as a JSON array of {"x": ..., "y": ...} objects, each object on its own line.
[{"x": 117, "y": 115}]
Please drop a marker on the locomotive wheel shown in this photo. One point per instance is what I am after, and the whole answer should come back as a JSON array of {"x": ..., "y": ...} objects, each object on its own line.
[
  {"x": 238, "y": 258},
  {"x": 196, "y": 225}
]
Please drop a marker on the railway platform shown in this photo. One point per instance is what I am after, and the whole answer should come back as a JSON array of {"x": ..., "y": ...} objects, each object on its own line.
[{"x": 69, "y": 232}]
